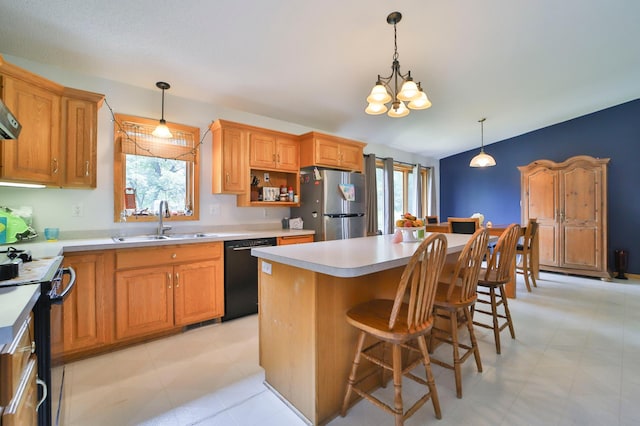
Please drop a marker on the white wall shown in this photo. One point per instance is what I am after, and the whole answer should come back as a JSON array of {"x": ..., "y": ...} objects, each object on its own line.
[{"x": 52, "y": 207}]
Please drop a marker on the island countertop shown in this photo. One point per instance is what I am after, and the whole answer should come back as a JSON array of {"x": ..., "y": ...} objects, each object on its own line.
[{"x": 352, "y": 257}]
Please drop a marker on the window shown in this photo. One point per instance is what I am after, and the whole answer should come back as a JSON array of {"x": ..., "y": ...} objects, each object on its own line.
[
  {"x": 148, "y": 169},
  {"x": 403, "y": 190}
]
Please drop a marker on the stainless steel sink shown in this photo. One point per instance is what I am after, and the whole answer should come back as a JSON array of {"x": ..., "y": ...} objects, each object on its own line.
[
  {"x": 191, "y": 235},
  {"x": 140, "y": 238}
]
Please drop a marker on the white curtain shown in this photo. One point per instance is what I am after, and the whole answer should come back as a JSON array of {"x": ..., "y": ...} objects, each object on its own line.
[{"x": 431, "y": 193}]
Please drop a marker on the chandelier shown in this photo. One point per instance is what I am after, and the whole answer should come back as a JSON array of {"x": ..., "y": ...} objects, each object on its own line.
[
  {"x": 483, "y": 159},
  {"x": 384, "y": 91},
  {"x": 162, "y": 131}
]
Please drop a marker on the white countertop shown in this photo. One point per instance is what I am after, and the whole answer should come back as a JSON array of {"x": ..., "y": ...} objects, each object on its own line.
[
  {"x": 353, "y": 257},
  {"x": 56, "y": 248},
  {"x": 15, "y": 304}
]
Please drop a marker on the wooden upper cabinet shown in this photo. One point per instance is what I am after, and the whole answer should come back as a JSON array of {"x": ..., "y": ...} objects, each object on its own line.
[
  {"x": 80, "y": 137},
  {"x": 57, "y": 144},
  {"x": 273, "y": 151},
  {"x": 35, "y": 156},
  {"x": 229, "y": 158},
  {"x": 569, "y": 200},
  {"x": 317, "y": 149}
]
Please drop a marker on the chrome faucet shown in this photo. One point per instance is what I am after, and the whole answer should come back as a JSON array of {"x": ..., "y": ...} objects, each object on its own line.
[{"x": 162, "y": 213}]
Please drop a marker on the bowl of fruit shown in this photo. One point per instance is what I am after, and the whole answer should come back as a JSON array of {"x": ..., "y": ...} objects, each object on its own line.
[{"x": 411, "y": 228}]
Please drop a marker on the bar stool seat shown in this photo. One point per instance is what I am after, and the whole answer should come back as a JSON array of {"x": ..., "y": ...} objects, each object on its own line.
[{"x": 401, "y": 324}]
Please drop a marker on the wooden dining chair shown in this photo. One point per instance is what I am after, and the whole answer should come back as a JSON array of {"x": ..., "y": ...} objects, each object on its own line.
[
  {"x": 402, "y": 324},
  {"x": 455, "y": 296},
  {"x": 524, "y": 252},
  {"x": 431, "y": 219},
  {"x": 491, "y": 286},
  {"x": 463, "y": 225}
]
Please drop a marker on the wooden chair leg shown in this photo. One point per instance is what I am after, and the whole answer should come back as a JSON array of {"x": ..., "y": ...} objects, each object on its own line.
[
  {"x": 352, "y": 375},
  {"x": 507, "y": 312},
  {"x": 531, "y": 274},
  {"x": 494, "y": 314},
  {"x": 474, "y": 342},
  {"x": 431, "y": 383},
  {"x": 456, "y": 353},
  {"x": 397, "y": 384}
]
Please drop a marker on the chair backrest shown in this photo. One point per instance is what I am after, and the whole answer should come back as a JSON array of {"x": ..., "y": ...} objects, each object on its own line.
[
  {"x": 432, "y": 219},
  {"x": 420, "y": 279},
  {"x": 467, "y": 269},
  {"x": 463, "y": 225},
  {"x": 530, "y": 233},
  {"x": 504, "y": 252}
]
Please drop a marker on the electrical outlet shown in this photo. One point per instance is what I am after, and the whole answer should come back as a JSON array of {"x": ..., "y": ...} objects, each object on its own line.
[
  {"x": 266, "y": 177},
  {"x": 214, "y": 209},
  {"x": 77, "y": 210}
]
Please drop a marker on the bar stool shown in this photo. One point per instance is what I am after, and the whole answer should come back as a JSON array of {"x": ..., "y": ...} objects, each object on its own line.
[
  {"x": 454, "y": 299},
  {"x": 494, "y": 277},
  {"x": 524, "y": 250},
  {"x": 401, "y": 325}
]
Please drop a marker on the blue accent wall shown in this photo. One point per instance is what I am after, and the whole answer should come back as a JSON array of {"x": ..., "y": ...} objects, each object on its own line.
[{"x": 495, "y": 191}]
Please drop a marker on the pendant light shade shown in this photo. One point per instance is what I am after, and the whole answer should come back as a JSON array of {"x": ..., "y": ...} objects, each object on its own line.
[
  {"x": 162, "y": 131},
  {"x": 483, "y": 159},
  {"x": 397, "y": 88}
]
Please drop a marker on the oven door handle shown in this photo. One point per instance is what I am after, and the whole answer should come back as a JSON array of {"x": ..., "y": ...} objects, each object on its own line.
[{"x": 59, "y": 298}]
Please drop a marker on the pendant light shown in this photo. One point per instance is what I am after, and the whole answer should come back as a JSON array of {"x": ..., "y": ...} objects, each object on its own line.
[
  {"x": 397, "y": 88},
  {"x": 162, "y": 131},
  {"x": 483, "y": 159}
]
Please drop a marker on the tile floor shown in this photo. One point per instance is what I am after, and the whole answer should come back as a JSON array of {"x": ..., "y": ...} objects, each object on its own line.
[{"x": 576, "y": 360}]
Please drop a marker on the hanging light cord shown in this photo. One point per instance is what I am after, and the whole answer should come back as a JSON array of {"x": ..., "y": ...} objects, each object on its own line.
[
  {"x": 127, "y": 137},
  {"x": 482, "y": 134}
]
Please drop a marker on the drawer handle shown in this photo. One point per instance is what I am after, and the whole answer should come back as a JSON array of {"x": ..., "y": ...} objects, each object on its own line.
[
  {"x": 177, "y": 280},
  {"x": 44, "y": 391},
  {"x": 169, "y": 279},
  {"x": 173, "y": 256}
]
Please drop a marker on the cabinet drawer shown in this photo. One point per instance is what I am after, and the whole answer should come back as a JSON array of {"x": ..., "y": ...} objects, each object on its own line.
[
  {"x": 165, "y": 255},
  {"x": 297, "y": 239},
  {"x": 13, "y": 360},
  {"x": 22, "y": 410}
]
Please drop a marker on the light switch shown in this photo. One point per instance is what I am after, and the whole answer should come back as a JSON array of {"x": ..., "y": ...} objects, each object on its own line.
[{"x": 266, "y": 267}]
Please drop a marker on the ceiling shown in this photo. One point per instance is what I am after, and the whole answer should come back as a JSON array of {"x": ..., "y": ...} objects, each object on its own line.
[{"x": 522, "y": 64}]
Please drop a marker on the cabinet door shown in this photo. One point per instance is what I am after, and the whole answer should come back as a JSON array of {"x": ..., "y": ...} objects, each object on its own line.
[
  {"x": 262, "y": 150},
  {"x": 198, "y": 292},
  {"x": 580, "y": 224},
  {"x": 143, "y": 301},
  {"x": 80, "y": 140},
  {"x": 229, "y": 161},
  {"x": 351, "y": 157},
  {"x": 327, "y": 152},
  {"x": 287, "y": 154},
  {"x": 542, "y": 203},
  {"x": 84, "y": 316},
  {"x": 35, "y": 155}
]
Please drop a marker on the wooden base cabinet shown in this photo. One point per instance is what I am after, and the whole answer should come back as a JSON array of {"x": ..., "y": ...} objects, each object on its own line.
[
  {"x": 569, "y": 200},
  {"x": 86, "y": 315},
  {"x": 160, "y": 288}
]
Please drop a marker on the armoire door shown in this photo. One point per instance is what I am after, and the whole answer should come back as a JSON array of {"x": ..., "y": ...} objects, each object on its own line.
[
  {"x": 580, "y": 220},
  {"x": 541, "y": 202}
]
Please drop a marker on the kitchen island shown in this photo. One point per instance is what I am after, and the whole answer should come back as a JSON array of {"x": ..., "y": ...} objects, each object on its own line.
[{"x": 306, "y": 344}]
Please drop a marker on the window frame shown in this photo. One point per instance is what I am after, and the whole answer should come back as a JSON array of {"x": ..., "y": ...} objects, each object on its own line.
[
  {"x": 407, "y": 171},
  {"x": 119, "y": 171}
]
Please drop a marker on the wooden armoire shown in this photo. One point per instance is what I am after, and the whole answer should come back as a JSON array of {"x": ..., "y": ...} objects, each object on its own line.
[{"x": 569, "y": 200}]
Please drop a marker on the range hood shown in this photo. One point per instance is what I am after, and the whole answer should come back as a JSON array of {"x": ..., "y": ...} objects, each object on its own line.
[{"x": 9, "y": 126}]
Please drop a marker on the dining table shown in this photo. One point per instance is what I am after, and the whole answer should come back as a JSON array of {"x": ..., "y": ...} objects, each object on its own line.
[{"x": 497, "y": 230}]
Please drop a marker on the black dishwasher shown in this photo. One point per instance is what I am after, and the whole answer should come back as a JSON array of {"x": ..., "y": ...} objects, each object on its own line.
[{"x": 241, "y": 277}]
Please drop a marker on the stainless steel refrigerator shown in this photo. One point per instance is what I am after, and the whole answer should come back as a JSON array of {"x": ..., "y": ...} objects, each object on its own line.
[{"x": 332, "y": 203}]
